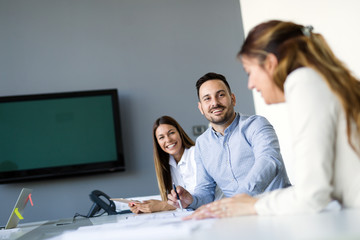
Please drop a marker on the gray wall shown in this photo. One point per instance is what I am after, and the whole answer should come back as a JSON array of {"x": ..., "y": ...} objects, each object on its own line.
[{"x": 151, "y": 51}]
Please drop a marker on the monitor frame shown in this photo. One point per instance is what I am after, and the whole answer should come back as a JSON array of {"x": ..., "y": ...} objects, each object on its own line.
[{"x": 70, "y": 170}]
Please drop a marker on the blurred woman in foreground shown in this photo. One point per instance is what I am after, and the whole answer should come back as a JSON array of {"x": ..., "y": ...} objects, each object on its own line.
[{"x": 290, "y": 63}]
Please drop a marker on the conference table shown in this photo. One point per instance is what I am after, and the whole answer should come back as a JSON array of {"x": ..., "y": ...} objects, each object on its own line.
[{"x": 337, "y": 224}]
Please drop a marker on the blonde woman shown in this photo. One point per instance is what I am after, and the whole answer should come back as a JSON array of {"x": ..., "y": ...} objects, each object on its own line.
[{"x": 290, "y": 63}]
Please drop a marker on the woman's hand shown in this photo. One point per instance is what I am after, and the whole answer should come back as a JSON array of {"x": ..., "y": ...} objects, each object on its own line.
[
  {"x": 238, "y": 205},
  {"x": 149, "y": 206},
  {"x": 134, "y": 207}
]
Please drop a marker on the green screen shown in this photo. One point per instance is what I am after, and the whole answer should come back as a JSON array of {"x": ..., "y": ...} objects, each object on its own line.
[{"x": 56, "y": 132}]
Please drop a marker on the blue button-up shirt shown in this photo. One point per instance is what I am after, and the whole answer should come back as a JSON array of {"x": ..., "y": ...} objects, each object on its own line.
[{"x": 246, "y": 159}]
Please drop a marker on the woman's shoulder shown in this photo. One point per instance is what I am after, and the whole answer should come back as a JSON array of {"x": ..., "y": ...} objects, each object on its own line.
[
  {"x": 303, "y": 76},
  {"x": 188, "y": 156},
  {"x": 307, "y": 91},
  {"x": 190, "y": 151},
  {"x": 305, "y": 80}
]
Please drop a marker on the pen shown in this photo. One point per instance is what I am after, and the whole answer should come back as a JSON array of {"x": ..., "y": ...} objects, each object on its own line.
[{"x": 177, "y": 195}]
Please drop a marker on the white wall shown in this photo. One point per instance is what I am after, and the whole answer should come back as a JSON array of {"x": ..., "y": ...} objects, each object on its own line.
[{"x": 336, "y": 20}]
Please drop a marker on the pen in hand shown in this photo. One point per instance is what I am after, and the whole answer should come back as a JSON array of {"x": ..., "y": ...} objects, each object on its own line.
[{"x": 177, "y": 195}]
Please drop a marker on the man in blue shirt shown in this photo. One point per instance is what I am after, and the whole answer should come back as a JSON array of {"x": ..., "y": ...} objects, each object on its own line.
[{"x": 239, "y": 153}]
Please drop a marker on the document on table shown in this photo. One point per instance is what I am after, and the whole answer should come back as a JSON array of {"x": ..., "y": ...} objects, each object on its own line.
[
  {"x": 167, "y": 215},
  {"x": 162, "y": 225}
]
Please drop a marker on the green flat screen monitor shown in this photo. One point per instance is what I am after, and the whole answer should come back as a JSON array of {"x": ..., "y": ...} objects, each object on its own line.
[{"x": 60, "y": 134}]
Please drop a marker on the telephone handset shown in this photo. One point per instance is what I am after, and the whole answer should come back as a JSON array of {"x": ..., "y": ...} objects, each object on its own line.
[{"x": 101, "y": 201}]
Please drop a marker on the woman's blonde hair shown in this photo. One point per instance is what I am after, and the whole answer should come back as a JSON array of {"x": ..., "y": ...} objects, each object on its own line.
[
  {"x": 297, "y": 46},
  {"x": 161, "y": 158}
]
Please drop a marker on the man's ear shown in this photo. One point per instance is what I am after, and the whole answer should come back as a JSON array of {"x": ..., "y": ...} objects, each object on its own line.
[
  {"x": 271, "y": 63},
  {"x": 200, "y": 108},
  {"x": 233, "y": 99}
]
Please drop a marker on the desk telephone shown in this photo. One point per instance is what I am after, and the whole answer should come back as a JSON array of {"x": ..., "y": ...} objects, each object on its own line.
[{"x": 101, "y": 201}]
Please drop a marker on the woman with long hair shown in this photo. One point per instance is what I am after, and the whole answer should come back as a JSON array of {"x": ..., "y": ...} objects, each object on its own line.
[
  {"x": 174, "y": 163},
  {"x": 290, "y": 63}
]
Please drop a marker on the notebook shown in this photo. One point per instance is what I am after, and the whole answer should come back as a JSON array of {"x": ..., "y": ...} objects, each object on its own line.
[{"x": 16, "y": 214}]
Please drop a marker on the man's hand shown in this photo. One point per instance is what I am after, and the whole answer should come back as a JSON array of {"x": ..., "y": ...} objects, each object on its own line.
[{"x": 185, "y": 197}]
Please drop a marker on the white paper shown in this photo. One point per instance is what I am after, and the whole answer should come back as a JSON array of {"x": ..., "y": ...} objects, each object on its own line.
[{"x": 162, "y": 225}]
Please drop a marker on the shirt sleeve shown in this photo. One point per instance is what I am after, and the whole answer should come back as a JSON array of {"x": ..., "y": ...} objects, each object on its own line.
[
  {"x": 268, "y": 161},
  {"x": 205, "y": 187},
  {"x": 312, "y": 108}
]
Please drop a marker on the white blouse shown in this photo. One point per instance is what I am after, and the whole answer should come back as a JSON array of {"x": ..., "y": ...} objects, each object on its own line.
[
  {"x": 184, "y": 172},
  {"x": 326, "y": 167}
]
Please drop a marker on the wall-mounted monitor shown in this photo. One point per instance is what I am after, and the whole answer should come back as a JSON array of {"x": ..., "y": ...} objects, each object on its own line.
[{"x": 60, "y": 134}]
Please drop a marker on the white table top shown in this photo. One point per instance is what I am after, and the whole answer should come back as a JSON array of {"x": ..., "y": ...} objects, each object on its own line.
[{"x": 344, "y": 224}]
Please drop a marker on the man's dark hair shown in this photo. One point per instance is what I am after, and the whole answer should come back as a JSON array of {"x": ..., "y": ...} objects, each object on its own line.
[{"x": 211, "y": 76}]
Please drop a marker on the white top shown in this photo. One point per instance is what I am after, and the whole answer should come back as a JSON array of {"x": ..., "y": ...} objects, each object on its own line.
[
  {"x": 326, "y": 167},
  {"x": 184, "y": 172}
]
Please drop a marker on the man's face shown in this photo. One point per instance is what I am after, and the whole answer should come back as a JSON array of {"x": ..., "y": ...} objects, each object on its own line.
[{"x": 216, "y": 102}]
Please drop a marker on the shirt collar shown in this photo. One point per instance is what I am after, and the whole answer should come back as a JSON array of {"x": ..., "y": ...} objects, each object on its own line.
[
  {"x": 230, "y": 128},
  {"x": 172, "y": 160}
]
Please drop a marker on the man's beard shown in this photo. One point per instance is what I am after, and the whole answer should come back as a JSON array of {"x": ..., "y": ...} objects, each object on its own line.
[{"x": 220, "y": 120}]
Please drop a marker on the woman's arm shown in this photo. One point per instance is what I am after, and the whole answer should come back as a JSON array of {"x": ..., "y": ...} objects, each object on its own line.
[{"x": 150, "y": 206}]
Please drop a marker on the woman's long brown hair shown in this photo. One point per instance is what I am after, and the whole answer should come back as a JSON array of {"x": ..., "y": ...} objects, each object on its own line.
[{"x": 161, "y": 158}]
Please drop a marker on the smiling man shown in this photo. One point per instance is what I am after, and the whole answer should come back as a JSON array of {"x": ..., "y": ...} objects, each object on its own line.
[{"x": 239, "y": 153}]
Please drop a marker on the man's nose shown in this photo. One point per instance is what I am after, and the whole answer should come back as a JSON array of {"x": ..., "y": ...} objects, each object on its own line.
[{"x": 214, "y": 102}]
